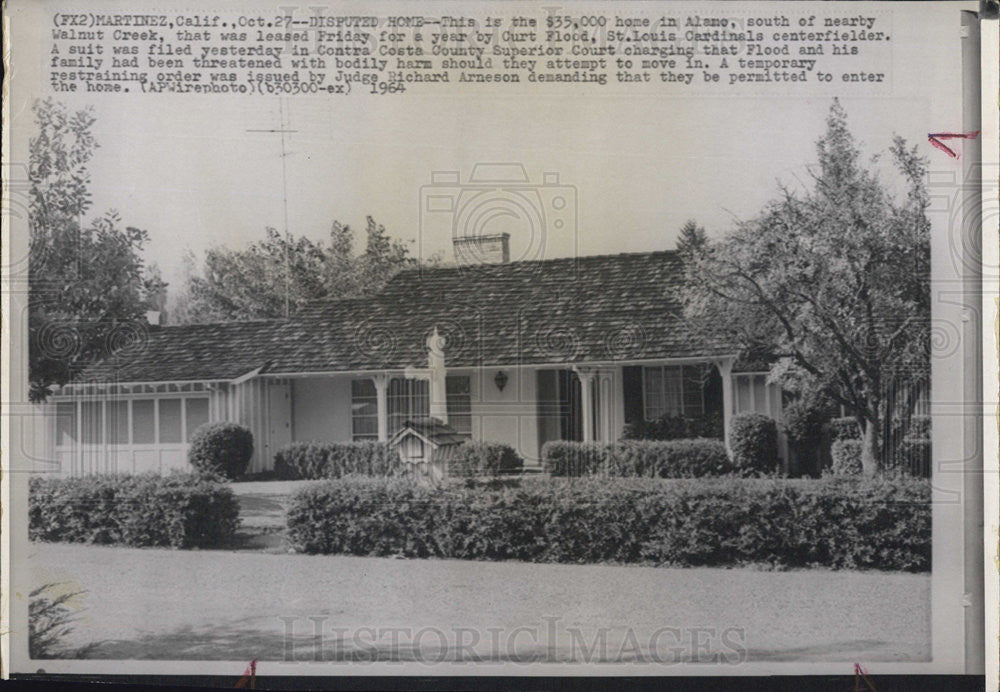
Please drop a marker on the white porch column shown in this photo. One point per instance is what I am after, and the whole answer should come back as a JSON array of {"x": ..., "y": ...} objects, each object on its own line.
[
  {"x": 726, "y": 371},
  {"x": 381, "y": 381},
  {"x": 618, "y": 394},
  {"x": 437, "y": 389},
  {"x": 605, "y": 405},
  {"x": 586, "y": 376}
]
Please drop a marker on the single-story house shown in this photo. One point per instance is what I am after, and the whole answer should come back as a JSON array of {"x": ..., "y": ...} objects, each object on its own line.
[{"x": 518, "y": 352}]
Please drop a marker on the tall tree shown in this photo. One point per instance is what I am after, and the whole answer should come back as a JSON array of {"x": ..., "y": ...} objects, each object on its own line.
[
  {"x": 834, "y": 281},
  {"x": 255, "y": 282},
  {"x": 277, "y": 276},
  {"x": 88, "y": 283},
  {"x": 382, "y": 258},
  {"x": 692, "y": 238}
]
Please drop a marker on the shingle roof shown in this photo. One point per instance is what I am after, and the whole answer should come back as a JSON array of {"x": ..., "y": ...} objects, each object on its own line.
[
  {"x": 573, "y": 310},
  {"x": 188, "y": 352},
  {"x": 433, "y": 430},
  {"x": 755, "y": 364}
]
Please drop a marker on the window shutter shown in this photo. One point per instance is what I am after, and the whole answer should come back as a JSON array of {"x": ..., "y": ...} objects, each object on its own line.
[{"x": 632, "y": 391}]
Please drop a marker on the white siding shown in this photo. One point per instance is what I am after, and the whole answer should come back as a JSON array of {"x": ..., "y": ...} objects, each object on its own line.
[
  {"x": 509, "y": 416},
  {"x": 94, "y": 452},
  {"x": 252, "y": 409},
  {"x": 321, "y": 409},
  {"x": 755, "y": 395}
]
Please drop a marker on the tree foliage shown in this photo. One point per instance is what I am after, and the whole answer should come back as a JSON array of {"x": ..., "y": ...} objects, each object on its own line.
[
  {"x": 88, "y": 283},
  {"x": 692, "y": 238},
  {"x": 834, "y": 281},
  {"x": 277, "y": 276}
]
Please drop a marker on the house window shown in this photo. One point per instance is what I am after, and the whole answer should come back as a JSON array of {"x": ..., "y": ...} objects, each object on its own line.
[
  {"x": 170, "y": 420},
  {"x": 407, "y": 399},
  {"x": 195, "y": 415},
  {"x": 143, "y": 421},
  {"x": 93, "y": 421},
  {"x": 459, "y": 403},
  {"x": 130, "y": 421},
  {"x": 116, "y": 418},
  {"x": 673, "y": 390},
  {"x": 65, "y": 423},
  {"x": 752, "y": 393},
  {"x": 760, "y": 394},
  {"x": 364, "y": 410}
]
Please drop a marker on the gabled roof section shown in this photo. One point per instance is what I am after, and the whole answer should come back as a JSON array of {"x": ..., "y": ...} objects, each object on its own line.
[
  {"x": 603, "y": 308},
  {"x": 431, "y": 430},
  {"x": 187, "y": 352}
]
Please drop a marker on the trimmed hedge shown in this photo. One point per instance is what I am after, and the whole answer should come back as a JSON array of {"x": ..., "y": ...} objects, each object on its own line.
[
  {"x": 753, "y": 438},
  {"x": 177, "y": 511},
  {"x": 803, "y": 423},
  {"x": 671, "y": 427},
  {"x": 221, "y": 449},
  {"x": 920, "y": 427},
  {"x": 573, "y": 459},
  {"x": 846, "y": 456},
  {"x": 851, "y": 523},
  {"x": 315, "y": 460},
  {"x": 484, "y": 459},
  {"x": 672, "y": 459},
  {"x": 845, "y": 428},
  {"x": 913, "y": 456},
  {"x": 646, "y": 458}
]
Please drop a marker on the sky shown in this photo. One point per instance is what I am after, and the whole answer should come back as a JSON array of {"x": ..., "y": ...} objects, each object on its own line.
[{"x": 190, "y": 172}]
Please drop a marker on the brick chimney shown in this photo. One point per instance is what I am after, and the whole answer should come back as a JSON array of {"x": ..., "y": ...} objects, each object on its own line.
[{"x": 482, "y": 249}]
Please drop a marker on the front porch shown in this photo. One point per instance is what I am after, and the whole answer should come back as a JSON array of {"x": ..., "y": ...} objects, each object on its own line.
[
  {"x": 523, "y": 406},
  {"x": 132, "y": 428}
]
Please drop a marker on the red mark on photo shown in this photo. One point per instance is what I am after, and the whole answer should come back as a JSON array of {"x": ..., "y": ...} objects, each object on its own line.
[
  {"x": 249, "y": 676},
  {"x": 935, "y": 140},
  {"x": 862, "y": 674}
]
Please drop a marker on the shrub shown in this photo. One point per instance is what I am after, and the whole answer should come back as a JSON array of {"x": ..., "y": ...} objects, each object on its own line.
[
  {"x": 753, "y": 438},
  {"x": 222, "y": 449},
  {"x": 846, "y": 456},
  {"x": 563, "y": 458},
  {"x": 835, "y": 522},
  {"x": 803, "y": 423},
  {"x": 301, "y": 460},
  {"x": 670, "y": 427},
  {"x": 913, "y": 453},
  {"x": 914, "y": 456},
  {"x": 845, "y": 428},
  {"x": 179, "y": 511},
  {"x": 313, "y": 460},
  {"x": 50, "y": 620},
  {"x": 484, "y": 459},
  {"x": 920, "y": 427},
  {"x": 647, "y": 458},
  {"x": 668, "y": 459}
]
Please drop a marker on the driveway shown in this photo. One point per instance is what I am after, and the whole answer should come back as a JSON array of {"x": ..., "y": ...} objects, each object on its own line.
[{"x": 238, "y": 605}]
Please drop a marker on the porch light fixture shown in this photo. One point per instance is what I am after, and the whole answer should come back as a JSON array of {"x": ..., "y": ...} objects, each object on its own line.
[{"x": 500, "y": 379}]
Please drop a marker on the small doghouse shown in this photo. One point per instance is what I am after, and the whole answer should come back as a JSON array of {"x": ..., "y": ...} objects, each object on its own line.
[{"x": 427, "y": 445}]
